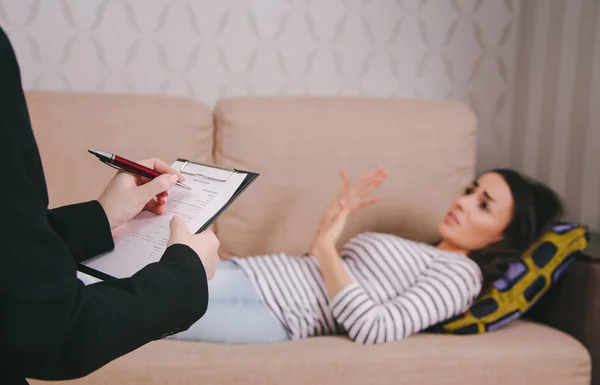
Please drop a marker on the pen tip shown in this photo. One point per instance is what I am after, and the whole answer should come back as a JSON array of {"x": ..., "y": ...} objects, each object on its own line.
[{"x": 100, "y": 153}]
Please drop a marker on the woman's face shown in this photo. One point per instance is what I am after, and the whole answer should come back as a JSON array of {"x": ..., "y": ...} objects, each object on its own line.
[{"x": 479, "y": 217}]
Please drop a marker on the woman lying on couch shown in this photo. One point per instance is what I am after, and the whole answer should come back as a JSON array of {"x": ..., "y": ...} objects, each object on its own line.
[{"x": 379, "y": 287}]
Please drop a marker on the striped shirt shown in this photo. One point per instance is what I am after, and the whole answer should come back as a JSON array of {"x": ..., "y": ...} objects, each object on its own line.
[{"x": 400, "y": 287}]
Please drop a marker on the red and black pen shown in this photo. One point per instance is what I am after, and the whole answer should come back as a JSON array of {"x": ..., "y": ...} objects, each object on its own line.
[{"x": 129, "y": 166}]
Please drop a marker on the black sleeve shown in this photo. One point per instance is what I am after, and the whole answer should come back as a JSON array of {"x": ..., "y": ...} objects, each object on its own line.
[
  {"x": 84, "y": 228},
  {"x": 51, "y": 325}
]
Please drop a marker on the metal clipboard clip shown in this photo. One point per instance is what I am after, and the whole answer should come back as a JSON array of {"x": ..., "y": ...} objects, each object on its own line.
[{"x": 225, "y": 179}]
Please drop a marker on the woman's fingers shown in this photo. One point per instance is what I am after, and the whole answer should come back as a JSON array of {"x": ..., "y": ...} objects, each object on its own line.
[
  {"x": 368, "y": 202},
  {"x": 345, "y": 179},
  {"x": 162, "y": 198},
  {"x": 367, "y": 183},
  {"x": 161, "y": 167},
  {"x": 373, "y": 180},
  {"x": 156, "y": 208}
]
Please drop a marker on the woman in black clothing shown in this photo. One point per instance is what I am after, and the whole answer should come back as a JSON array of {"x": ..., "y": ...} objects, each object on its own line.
[{"x": 53, "y": 327}]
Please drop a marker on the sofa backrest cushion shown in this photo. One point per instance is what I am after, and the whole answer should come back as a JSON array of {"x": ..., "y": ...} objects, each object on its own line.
[
  {"x": 298, "y": 144},
  {"x": 137, "y": 127}
]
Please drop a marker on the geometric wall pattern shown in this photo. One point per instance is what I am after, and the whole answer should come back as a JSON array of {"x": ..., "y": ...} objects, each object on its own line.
[{"x": 207, "y": 50}]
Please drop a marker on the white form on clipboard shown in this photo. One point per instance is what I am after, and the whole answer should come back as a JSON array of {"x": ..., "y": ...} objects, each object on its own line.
[{"x": 144, "y": 238}]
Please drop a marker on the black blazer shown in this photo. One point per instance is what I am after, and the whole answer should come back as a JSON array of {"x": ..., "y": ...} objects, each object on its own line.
[{"x": 52, "y": 326}]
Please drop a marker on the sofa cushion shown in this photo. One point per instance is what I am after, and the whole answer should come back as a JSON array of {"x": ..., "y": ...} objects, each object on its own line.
[
  {"x": 524, "y": 283},
  {"x": 522, "y": 353},
  {"x": 298, "y": 144},
  {"x": 66, "y": 125}
]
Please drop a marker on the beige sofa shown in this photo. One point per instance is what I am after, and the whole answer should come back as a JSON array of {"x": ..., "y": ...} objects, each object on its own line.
[{"x": 298, "y": 145}]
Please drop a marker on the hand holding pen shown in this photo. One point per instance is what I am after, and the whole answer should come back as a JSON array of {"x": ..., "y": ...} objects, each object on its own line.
[
  {"x": 126, "y": 195},
  {"x": 138, "y": 169}
]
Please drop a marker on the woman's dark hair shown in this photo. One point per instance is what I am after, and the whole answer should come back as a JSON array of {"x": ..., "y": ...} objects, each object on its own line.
[{"x": 536, "y": 208}]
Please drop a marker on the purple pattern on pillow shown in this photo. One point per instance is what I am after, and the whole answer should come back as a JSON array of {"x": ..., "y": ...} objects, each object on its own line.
[
  {"x": 515, "y": 269},
  {"x": 561, "y": 269},
  {"x": 504, "y": 321},
  {"x": 501, "y": 284},
  {"x": 563, "y": 227}
]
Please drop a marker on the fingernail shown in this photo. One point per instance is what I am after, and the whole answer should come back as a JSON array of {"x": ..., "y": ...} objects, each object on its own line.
[{"x": 174, "y": 178}]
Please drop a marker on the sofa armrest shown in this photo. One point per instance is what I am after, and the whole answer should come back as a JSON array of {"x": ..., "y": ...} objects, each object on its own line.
[{"x": 573, "y": 305}]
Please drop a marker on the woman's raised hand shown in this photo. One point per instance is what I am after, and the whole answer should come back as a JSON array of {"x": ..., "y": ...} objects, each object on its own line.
[
  {"x": 355, "y": 195},
  {"x": 350, "y": 197}
]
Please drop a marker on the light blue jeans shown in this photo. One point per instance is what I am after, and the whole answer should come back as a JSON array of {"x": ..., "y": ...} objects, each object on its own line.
[{"x": 236, "y": 314}]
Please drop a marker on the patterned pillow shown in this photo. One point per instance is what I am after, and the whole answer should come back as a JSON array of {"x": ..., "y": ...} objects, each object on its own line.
[{"x": 525, "y": 282}]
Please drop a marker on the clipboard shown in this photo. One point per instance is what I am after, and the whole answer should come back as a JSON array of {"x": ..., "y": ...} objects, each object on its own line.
[
  {"x": 250, "y": 177},
  {"x": 184, "y": 169}
]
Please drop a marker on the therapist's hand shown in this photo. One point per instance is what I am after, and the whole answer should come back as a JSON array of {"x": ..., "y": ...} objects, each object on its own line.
[
  {"x": 126, "y": 195},
  {"x": 205, "y": 244}
]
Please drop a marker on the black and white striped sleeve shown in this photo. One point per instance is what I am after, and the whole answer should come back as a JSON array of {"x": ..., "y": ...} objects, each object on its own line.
[{"x": 438, "y": 294}]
